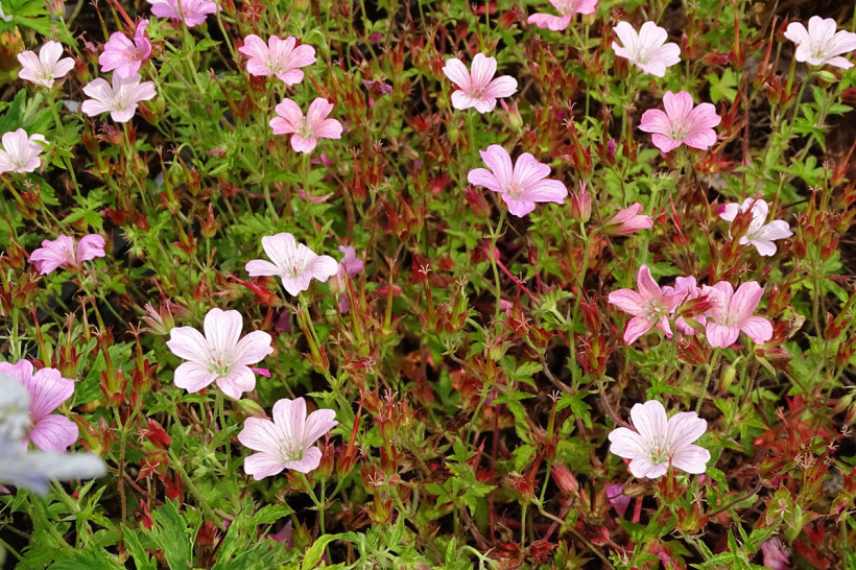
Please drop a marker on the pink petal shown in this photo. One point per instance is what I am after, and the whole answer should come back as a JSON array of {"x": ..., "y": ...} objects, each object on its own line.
[
  {"x": 253, "y": 348},
  {"x": 678, "y": 106},
  {"x": 310, "y": 461},
  {"x": 628, "y": 301},
  {"x": 503, "y": 86},
  {"x": 626, "y": 443},
  {"x": 759, "y": 329},
  {"x": 261, "y": 465},
  {"x": 684, "y": 428},
  {"x": 54, "y": 433},
  {"x": 484, "y": 178},
  {"x": 636, "y": 327},
  {"x": 290, "y": 417},
  {"x": 240, "y": 379},
  {"x": 48, "y": 390},
  {"x": 745, "y": 300},
  {"x": 261, "y": 435},
  {"x": 323, "y": 267},
  {"x": 329, "y": 129},
  {"x": 655, "y": 121},
  {"x": 189, "y": 344},
  {"x": 642, "y": 468},
  {"x": 692, "y": 459},
  {"x": 260, "y": 267},
  {"x": 650, "y": 420},
  {"x": 304, "y": 145},
  {"x": 499, "y": 162},
  {"x": 549, "y": 21},
  {"x": 192, "y": 376},
  {"x": 664, "y": 143},
  {"x": 318, "y": 423},
  {"x": 646, "y": 285},
  {"x": 222, "y": 329},
  {"x": 518, "y": 208},
  {"x": 721, "y": 336},
  {"x": 457, "y": 73},
  {"x": 90, "y": 247},
  {"x": 482, "y": 71}
]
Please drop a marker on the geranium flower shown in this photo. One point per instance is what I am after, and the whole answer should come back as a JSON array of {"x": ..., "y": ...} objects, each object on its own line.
[
  {"x": 20, "y": 152},
  {"x": 567, "y": 10},
  {"x": 119, "y": 99},
  {"x": 520, "y": 186},
  {"x": 820, "y": 44},
  {"x": 293, "y": 262},
  {"x": 732, "y": 312},
  {"x": 350, "y": 266},
  {"x": 660, "y": 442},
  {"x": 47, "y": 390},
  {"x": 650, "y": 306},
  {"x": 478, "y": 88},
  {"x": 629, "y": 221},
  {"x": 192, "y": 12},
  {"x": 305, "y": 131},
  {"x": 760, "y": 234},
  {"x": 62, "y": 252},
  {"x": 45, "y": 68},
  {"x": 647, "y": 49},
  {"x": 220, "y": 356},
  {"x": 125, "y": 56},
  {"x": 277, "y": 57},
  {"x": 287, "y": 441},
  {"x": 689, "y": 290},
  {"x": 681, "y": 123}
]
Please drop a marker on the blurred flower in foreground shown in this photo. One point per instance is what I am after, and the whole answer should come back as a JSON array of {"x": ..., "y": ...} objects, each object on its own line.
[
  {"x": 659, "y": 441},
  {"x": 20, "y": 152},
  {"x": 62, "y": 252},
  {"x": 629, "y": 221},
  {"x": 681, "y": 123},
  {"x": 650, "y": 305},
  {"x": 646, "y": 49},
  {"x": 125, "y": 56},
  {"x": 567, "y": 8},
  {"x": 305, "y": 131},
  {"x": 44, "y": 68},
  {"x": 478, "y": 88},
  {"x": 287, "y": 441},
  {"x": 120, "y": 98},
  {"x": 220, "y": 356},
  {"x": 732, "y": 312},
  {"x": 760, "y": 234},
  {"x": 293, "y": 262},
  {"x": 820, "y": 44},
  {"x": 192, "y": 12},
  {"x": 277, "y": 57},
  {"x": 520, "y": 186}
]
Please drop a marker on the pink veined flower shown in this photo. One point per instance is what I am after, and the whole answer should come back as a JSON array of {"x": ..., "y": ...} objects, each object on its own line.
[
  {"x": 659, "y": 441},
  {"x": 293, "y": 262},
  {"x": 305, "y": 131},
  {"x": 776, "y": 554},
  {"x": 192, "y": 12},
  {"x": 646, "y": 49},
  {"x": 220, "y": 356},
  {"x": 46, "y": 67},
  {"x": 681, "y": 123},
  {"x": 760, "y": 234},
  {"x": 119, "y": 99},
  {"x": 287, "y": 442},
  {"x": 629, "y": 221},
  {"x": 277, "y": 57},
  {"x": 20, "y": 152},
  {"x": 820, "y": 44},
  {"x": 125, "y": 56},
  {"x": 48, "y": 390},
  {"x": 62, "y": 252},
  {"x": 732, "y": 312},
  {"x": 689, "y": 290},
  {"x": 478, "y": 88},
  {"x": 650, "y": 306},
  {"x": 567, "y": 10},
  {"x": 520, "y": 186}
]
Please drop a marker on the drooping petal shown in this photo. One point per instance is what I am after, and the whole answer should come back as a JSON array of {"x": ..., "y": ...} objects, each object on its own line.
[
  {"x": 719, "y": 335},
  {"x": 636, "y": 327}
]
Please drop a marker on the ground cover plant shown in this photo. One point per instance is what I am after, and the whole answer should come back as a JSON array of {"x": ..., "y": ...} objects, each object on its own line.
[{"x": 425, "y": 284}]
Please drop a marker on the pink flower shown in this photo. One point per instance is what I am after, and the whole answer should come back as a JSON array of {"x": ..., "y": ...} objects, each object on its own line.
[
  {"x": 287, "y": 441},
  {"x": 731, "y": 312},
  {"x": 647, "y": 49},
  {"x": 305, "y": 131},
  {"x": 350, "y": 266},
  {"x": 119, "y": 99},
  {"x": 650, "y": 306},
  {"x": 192, "y": 12},
  {"x": 293, "y": 262},
  {"x": 20, "y": 152},
  {"x": 689, "y": 290},
  {"x": 681, "y": 123},
  {"x": 46, "y": 67},
  {"x": 125, "y": 56},
  {"x": 821, "y": 44},
  {"x": 660, "y": 441},
  {"x": 478, "y": 88},
  {"x": 277, "y": 57},
  {"x": 48, "y": 390},
  {"x": 567, "y": 8},
  {"x": 220, "y": 356},
  {"x": 760, "y": 234},
  {"x": 61, "y": 252},
  {"x": 776, "y": 555},
  {"x": 617, "y": 499},
  {"x": 629, "y": 221},
  {"x": 581, "y": 203},
  {"x": 520, "y": 186}
]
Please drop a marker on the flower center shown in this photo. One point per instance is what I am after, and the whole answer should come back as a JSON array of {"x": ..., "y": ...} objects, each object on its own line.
[
  {"x": 306, "y": 130},
  {"x": 291, "y": 453},
  {"x": 219, "y": 365},
  {"x": 658, "y": 455},
  {"x": 515, "y": 191}
]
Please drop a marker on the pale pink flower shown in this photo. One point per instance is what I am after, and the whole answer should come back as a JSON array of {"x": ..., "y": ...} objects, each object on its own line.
[
  {"x": 760, "y": 234},
  {"x": 192, "y": 12},
  {"x": 520, "y": 186},
  {"x": 46, "y": 67},
  {"x": 732, "y": 312},
  {"x": 478, "y": 88},
  {"x": 220, "y": 356},
  {"x": 681, "y": 123},
  {"x": 617, "y": 499},
  {"x": 820, "y": 44},
  {"x": 305, "y": 131},
  {"x": 287, "y": 442},
  {"x": 277, "y": 57},
  {"x": 125, "y": 56},
  {"x": 119, "y": 99},
  {"x": 293, "y": 262},
  {"x": 646, "y": 49},
  {"x": 62, "y": 252},
  {"x": 47, "y": 390},
  {"x": 650, "y": 306},
  {"x": 776, "y": 554},
  {"x": 659, "y": 442},
  {"x": 629, "y": 221},
  {"x": 567, "y": 10},
  {"x": 20, "y": 152}
]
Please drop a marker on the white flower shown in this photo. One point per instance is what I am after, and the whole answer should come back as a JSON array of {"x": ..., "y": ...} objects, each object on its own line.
[
  {"x": 293, "y": 262},
  {"x": 760, "y": 234},
  {"x": 119, "y": 99},
  {"x": 647, "y": 49},
  {"x": 820, "y": 44},
  {"x": 20, "y": 153},
  {"x": 44, "y": 68}
]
